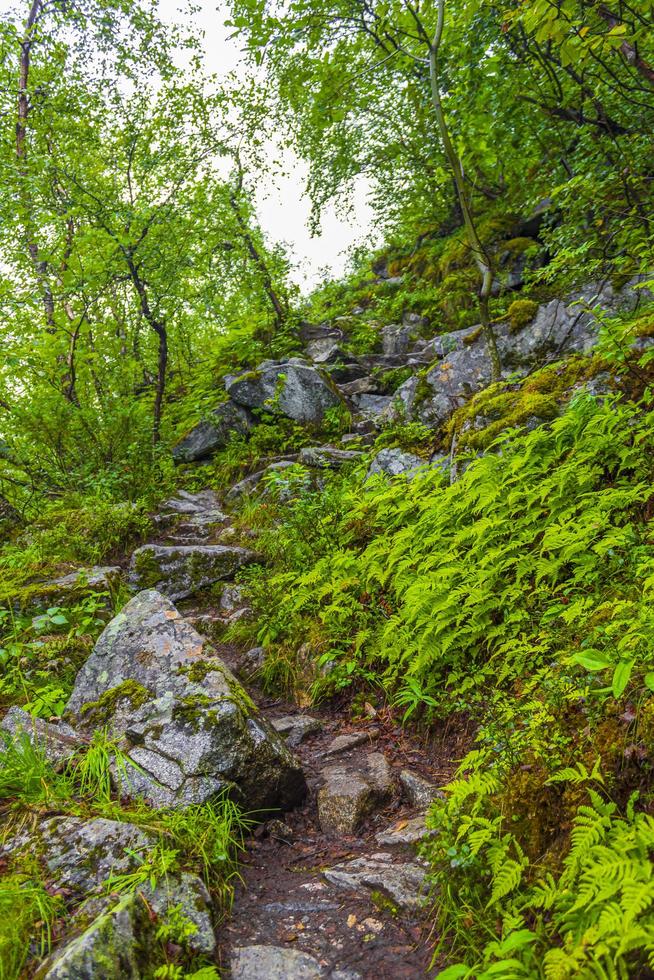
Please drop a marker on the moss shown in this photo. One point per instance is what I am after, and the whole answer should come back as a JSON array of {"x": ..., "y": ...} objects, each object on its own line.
[
  {"x": 198, "y": 671},
  {"x": 501, "y": 406},
  {"x": 104, "y": 708},
  {"x": 424, "y": 390},
  {"x": 147, "y": 569},
  {"x": 192, "y": 710},
  {"x": 384, "y": 903},
  {"x": 520, "y": 313},
  {"x": 473, "y": 337},
  {"x": 517, "y": 246},
  {"x": 391, "y": 380},
  {"x": 397, "y": 266}
]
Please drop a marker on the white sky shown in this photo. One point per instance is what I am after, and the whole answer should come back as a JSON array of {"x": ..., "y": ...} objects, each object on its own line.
[{"x": 282, "y": 208}]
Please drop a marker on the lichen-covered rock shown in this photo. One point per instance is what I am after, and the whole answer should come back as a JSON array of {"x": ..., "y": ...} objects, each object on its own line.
[
  {"x": 419, "y": 790},
  {"x": 189, "y": 517},
  {"x": 350, "y": 793},
  {"x": 59, "y": 742},
  {"x": 108, "y": 948},
  {"x": 251, "y": 484},
  {"x": 121, "y": 941},
  {"x": 404, "y": 884},
  {"x": 292, "y": 388},
  {"x": 81, "y": 855},
  {"x": 395, "y": 339},
  {"x": 187, "y": 723},
  {"x": 213, "y": 433},
  {"x": 179, "y": 571},
  {"x": 395, "y": 462},
  {"x": 405, "y": 832}
]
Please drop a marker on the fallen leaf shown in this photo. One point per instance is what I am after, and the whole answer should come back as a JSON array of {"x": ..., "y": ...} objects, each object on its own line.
[{"x": 351, "y": 920}]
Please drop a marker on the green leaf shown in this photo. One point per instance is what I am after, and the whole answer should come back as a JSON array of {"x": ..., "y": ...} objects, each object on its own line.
[{"x": 621, "y": 676}]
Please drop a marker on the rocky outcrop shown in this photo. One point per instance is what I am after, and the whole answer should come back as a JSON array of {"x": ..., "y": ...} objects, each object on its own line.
[
  {"x": 296, "y": 728},
  {"x": 69, "y": 588},
  {"x": 280, "y": 963},
  {"x": 293, "y": 388},
  {"x": 180, "y": 571},
  {"x": 559, "y": 327},
  {"x": 213, "y": 433},
  {"x": 187, "y": 723},
  {"x": 327, "y": 457}
]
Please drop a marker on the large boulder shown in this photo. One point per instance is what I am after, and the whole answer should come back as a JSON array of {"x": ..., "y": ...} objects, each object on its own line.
[
  {"x": 292, "y": 388},
  {"x": 180, "y": 570},
  {"x": 187, "y": 723},
  {"x": 213, "y": 433}
]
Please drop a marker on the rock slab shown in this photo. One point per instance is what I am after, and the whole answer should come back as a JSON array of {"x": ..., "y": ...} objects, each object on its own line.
[{"x": 179, "y": 571}]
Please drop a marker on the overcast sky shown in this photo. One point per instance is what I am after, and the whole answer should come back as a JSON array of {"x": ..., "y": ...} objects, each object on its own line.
[{"x": 282, "y": 208}]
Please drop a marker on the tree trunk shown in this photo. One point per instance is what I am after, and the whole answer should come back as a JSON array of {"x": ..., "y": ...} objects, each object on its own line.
[
  {"x": 40, "y": 266},
  {"x": 258, "y": 260},
  {"x": 159, "y": 328},
  {"x": 481, "y": 257}
]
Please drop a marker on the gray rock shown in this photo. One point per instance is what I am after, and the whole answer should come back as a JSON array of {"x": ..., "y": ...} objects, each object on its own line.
[
  {"x": 180, "y": 571},
  {"x": 406, "y": 832},
  {"x": 292, "y": 388},
  {"x": 191, "y": 517},
  {"x": 326, "y": 457},
  {"x": 350, "y": 740},
  {"x": 372, "y": 406},
  {"x": 295, "y": 728},
  {"x": 350, "y": 794},
  {"x": 414, "y": 320},
  {"x": 251, "y": 660},
  {"x": 231, "y": 598},
  {"x": 108, "y": 948},
  {"x": 360, "y": 386},
  {"x": 82, "y": 855},
  {"x": 213, "y": 433},
  {"x": 418, "y": 790},
  {"x": 404, "y": 884},
  {"x": 121, "y": 939},
  {"x": 325, "y": 350},
  {"x": 395, "y": 462},
  {"x": 395, "y": 339},
  {"x": 187, "y": 723},
  {"x": 274, "y": 963},
  {"x": 59, "y": 742}
]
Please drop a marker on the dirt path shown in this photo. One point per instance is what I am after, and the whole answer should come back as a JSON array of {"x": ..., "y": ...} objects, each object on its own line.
[{"x": 334, "y": 889}]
